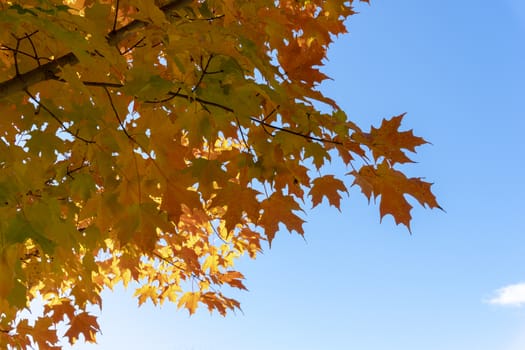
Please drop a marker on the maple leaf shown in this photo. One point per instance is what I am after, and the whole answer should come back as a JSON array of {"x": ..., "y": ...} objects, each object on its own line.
[
  {"x": 146, "y": 292},
  {"x": 190, "y": 301},
  {"x": 279, "y": 209},
  {"x": 233, "y": 278},
  {"x": 388, "y": 142},
  {"x": 217, "y": 301},
  {"x": 84, "y": 324},
  {"x": 44, "y": 334},
  {"x": 327, "y": 186},
  {"x": 58, "y": 310},
  {"x": 392, "y": 185},
  {"x": 237, "y": 200}
]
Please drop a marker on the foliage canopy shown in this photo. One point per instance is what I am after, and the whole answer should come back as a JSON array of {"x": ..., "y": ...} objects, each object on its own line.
[{"x": 157, "y": 141}]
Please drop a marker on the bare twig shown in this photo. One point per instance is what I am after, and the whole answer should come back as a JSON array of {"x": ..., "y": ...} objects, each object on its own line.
[
  {"x": 203, "y": 72},
  {"x": 15, "y": 54},
  {"x": 137, "y": 44},
  {"x": 121, "y": 124},
  {"x": 116, "y": 16},
  {"x": 28, "y": 37},
  {"x": 101, "y": 84},
  {"x": 54, "y": 116},
  {"x": 258, "y": 121},
  {"x": 131, "y": 138}
]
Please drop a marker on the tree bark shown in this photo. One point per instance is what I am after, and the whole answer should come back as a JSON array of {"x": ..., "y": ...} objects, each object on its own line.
[{"x": 49, "y": 70}]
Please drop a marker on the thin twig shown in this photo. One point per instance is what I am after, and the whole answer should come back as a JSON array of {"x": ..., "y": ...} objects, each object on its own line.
[
  {"x": 132, "y": 139},
  {"x": 171, "y": 95},
  {"x": 242, "y": 134},
  {"x": 15, "y": 55},
  {"x": 133, "y": 46},
  {"x": 116, "y": 15},
  {"x": 208, "y": 19},
  {"x": 99, "y": 84},
  {"x": 53, "y": 115},
  {"x": 203, "y": 73},
  {"x": 289, "y": 131},
  {"x": 23, "y": 53},
  {"x": 28, "y": 37},
  {"x": 258, "y": 121},
  {"x": 271, "y": 113},
  {"x": 122, "y": 126}
]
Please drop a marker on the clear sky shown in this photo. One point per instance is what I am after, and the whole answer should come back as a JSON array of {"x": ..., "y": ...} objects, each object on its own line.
[{"x": 458, "y": 69}]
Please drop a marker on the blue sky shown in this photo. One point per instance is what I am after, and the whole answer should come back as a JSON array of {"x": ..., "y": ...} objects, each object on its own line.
[{"x": 458, "y": 69}]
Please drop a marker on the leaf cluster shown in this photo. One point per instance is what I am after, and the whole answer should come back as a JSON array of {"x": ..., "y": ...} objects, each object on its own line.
[{"x": 155, "y": 142}]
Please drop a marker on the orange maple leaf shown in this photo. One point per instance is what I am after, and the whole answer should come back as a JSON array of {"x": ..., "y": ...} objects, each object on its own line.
[
  {"x": 45, "y": 335},
  {"x": 217, "y": 301},
  {"x": 388, "y": 142},
  {"x": 234, "y": 279},
  {"x": 57, "y": 312},
  {"x": 279, "y": 209},
  {"x": 327, "y": 186},
  {"x": 84, "y": 324},
  {"x": 392, "y": 185}
]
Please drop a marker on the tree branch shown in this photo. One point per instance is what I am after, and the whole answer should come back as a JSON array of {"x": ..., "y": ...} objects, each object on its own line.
[
  {"x": 54, "y": 116},
  {"x": 262, "y": 122},
  {"x": 46, "y": 71},
  {"x": 49, "y": 70},
  {"x": 115, "y": 36}
]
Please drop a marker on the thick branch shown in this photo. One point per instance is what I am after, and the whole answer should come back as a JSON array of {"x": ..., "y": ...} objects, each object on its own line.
[
  {"x": 115, "y": 36},
  {"x": 46, "y": 71},
  {"x": 49, "y": 70}
]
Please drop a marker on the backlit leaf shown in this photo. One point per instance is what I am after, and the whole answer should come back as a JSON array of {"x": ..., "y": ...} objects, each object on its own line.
[{"x": 327, "y": 186}]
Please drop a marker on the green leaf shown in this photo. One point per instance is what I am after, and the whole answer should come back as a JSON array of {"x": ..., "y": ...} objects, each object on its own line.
[
  {"x": 82, "y": 186},
  {"x": 20, "y": 229}
]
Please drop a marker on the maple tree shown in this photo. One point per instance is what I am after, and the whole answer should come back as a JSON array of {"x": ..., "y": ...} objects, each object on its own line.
[{"x": 156, "y": 142}]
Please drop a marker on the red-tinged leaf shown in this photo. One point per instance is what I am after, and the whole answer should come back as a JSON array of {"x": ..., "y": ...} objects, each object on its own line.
[
  {"x": 217, "y": 301},
  {"x": 388, "y": 142},
  {"x": 57, "y": 312},
  {"x": 190, "y": 301},
  {"x": 84, "y": 324},
  {"x": 327, "y": 186},
  {"x": 211, "y": 300},
  {"x": 279, "y": 209},
  {"x": 392, "y": 186},
  {"x": 348, "y": 148},
  {"x": 234, "y": 279},
  {"x": 177, "y": 194},
  {"x": 45, "y": 335},
  {"x": 190, "y": 257},
  {"x": 249, "y": 240},
  {"x": 19, "y": 335}
]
